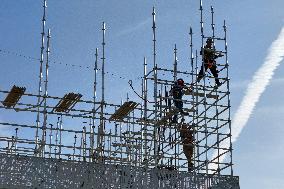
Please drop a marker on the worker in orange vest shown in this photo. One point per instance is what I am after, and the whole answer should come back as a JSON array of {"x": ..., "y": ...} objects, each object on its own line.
[
  {"x": 187, "y": 139},
  {"x": 209, "y": 56}
]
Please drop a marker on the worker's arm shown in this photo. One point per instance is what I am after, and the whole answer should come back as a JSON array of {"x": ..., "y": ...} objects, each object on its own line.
[{"x": 217, "y": 55}]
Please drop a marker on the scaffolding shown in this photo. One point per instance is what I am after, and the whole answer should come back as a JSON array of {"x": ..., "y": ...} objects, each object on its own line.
[{"x": 138, "y": 136}]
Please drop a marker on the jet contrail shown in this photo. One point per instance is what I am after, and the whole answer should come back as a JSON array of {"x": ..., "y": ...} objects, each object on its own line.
[{"x": 255, "y": 88}]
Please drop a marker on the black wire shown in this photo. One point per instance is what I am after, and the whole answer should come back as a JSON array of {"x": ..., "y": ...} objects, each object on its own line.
[
  {"x": 56, "y": 62},
  {"x": 130, "y": 84}
]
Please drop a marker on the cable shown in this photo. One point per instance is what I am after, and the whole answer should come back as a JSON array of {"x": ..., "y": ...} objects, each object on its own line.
[
  {"x": 56, "y": 62},
  {"x": 130, "y": 84}
]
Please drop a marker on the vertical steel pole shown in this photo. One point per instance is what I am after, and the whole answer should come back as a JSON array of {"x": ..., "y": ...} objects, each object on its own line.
[
  {"x": 196, "y": 84},
  {"x": 102, "y": 121},
  {"x": 56, "y": 137},
  {"x": 145, "y": 110},
  {"x": 50, "y": 140},
  {"x": 229, "y": 101},
  {"x": 197, "y": 116},
  {"x": 91, "y": 139},
  {"x": 44, "y": 127},
  {"x": 216, "y": 92},
  {"x": 92, "y": 142},
  {"x": 155, "y": 86},
  {"x": 74, "y": 146},
  {"x": 141, "y": 142},
  {"x": 16, "y": 139},
  {"x": 201, "y": 17},
  {"x": 176, "y": 146},
  {"x": 60, "y": 136},
  {"x": 192, "y": 96},
  {"x": 103, "y": 64},
  {"x": 191, "y": 56},
  {"x": 213, "y": 25},
  {"x": 204, "y": 86},
  {"x": 175, "y": 63},
  {"x": 84, "y": 136},
  {"x": 40, "y": 76}
]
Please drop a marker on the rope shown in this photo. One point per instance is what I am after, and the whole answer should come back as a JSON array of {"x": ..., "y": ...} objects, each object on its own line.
[
  {"x": 56, "y": 62},
  {"x": 130, "y": 84}
]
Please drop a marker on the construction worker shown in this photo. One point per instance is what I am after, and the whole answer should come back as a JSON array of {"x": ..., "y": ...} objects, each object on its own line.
[
  {"x": 177, "y": 93},
  {"x": 209, "y": 56},
  {"x": 186, "y": 134}
]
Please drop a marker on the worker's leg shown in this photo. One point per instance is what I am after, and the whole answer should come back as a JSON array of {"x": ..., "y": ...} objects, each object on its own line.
[
  {"x": 188, "y": 152},
  {"x": 175, "y": 117},
  {"x": 214, "y": 71},
  {"x": 179, "y": 104},
  {"x": 180, "y": 107},
  {"x": 202, "y": 72}
]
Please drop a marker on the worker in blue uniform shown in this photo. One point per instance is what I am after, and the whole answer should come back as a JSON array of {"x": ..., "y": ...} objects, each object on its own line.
[{"x": 177, "y": 93}]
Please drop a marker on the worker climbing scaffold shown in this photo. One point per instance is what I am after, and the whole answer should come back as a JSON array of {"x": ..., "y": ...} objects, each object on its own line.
[
  {"x": 187, "y": 139},
  {"x": 177, "y": 93},
  {"x": 209, "y": 61}
]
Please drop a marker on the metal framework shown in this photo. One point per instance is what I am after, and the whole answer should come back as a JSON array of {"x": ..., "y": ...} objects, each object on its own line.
[{"x": 127, "y": 145}]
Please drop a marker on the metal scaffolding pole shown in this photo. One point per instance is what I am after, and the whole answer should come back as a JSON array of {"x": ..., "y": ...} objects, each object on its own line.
[
  {"x": 40, "y": 75},
  {"x": 155, "y": 75},
  {"x": 229, "y": 101},
  {"x": 216, "y": 104},
  {"x": 92, "y": 139},
  {"x": 175, "y": 63},
  {"x": 145, "y": 97},
  {"x": 60, "y": 136},
  {"x": 44, "y": 126},
  {"x": 204, "y": 86},
  {"x": 193, "y": 74},
  {"x": 102, "y": 119}
]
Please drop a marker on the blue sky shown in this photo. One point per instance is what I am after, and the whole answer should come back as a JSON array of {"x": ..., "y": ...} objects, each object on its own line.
[{"x": 75, "y": 29}]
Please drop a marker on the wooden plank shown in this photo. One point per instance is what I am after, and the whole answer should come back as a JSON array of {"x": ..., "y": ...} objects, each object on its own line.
[
  {"x": 124, "y": 110},
  {"x": 14, "y": 96},
  {"x": 67, "y": 102},
  {"x": 189, "y": 92}
]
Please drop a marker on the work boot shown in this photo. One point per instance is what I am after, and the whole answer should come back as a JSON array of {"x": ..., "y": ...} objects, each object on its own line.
[
  {"x": 190, "y": 167},
  {"x": 184, "y": 113},
  {"x": 218, "y": 84}
]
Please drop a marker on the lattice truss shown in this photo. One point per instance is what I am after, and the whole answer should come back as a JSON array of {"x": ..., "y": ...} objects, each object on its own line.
[{"x": 139, "y": 135}]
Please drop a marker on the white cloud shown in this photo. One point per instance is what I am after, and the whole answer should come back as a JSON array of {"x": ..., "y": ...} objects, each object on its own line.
[{"x": 255, "y": 88}]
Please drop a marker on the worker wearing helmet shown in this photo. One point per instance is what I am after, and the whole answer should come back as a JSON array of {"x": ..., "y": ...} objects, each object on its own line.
[
  {"x": 209, "y": 56},
  {"x": 177, "y": 93}
]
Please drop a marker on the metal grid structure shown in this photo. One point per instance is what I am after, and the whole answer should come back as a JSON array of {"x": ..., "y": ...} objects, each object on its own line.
[{"x": 138, "y": 136}]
